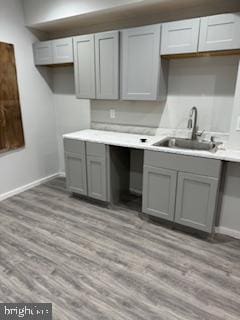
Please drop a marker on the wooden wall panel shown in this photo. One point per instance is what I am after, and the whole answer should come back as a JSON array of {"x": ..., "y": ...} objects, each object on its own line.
[{"x": 11, "y": 129}]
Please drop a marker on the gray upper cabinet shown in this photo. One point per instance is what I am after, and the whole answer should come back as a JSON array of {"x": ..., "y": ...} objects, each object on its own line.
[
  {"x": 96, "y": 171},
  {"x": 43, "y": 53},
  {"x": 62, "y": 50},
  {"x": 141, "y": 71},
  {"x": 196, "y": 201},
  {"x": 75, "y": 166},
  {"x": 53, "y": 51},
  {"x": 107, "y": 65},
  {"x": 159, "y": 192},
  {"x": 180, "y": 36},
  {"x": 220, "y": 32},
  {"x": 84, "y": 66}
]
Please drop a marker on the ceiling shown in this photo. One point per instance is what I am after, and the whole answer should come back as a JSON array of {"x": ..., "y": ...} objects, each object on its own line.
[{"x": 134, "y": 13}]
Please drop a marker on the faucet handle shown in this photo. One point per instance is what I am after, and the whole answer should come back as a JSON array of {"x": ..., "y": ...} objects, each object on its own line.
[{"x": 199, "y": 134}]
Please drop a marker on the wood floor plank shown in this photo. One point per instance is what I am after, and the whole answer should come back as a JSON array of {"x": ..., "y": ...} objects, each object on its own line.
[{"x": 97, "y": 263}]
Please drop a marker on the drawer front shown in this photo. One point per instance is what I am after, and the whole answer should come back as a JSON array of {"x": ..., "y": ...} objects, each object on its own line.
[
  {"x": 96, "y": 149},
  {"x": 198, "y": 165},
  {"x": 74, "y": 146}
]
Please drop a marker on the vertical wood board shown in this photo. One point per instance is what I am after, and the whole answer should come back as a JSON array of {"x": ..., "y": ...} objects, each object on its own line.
[{"x": 11, "y": 128}]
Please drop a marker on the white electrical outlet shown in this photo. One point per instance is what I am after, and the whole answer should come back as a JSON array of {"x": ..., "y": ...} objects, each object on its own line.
[
  {"x": 112, "y": 113},
  {"x": 238, "y": 124}
]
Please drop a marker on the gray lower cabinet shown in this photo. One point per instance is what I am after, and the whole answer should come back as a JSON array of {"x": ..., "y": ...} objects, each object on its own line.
[
  {"x": 76, "y": 173},
  {"x": 86, "y": 168},
  {"x": 96, "y": 175},
  {"x": 159, "y": 191},
  {"x": 182, "y": 189},
  {"x": 75, "y": 166},
  {"x": 196, "y": 201},
  {"x": 96, "y": 171}
]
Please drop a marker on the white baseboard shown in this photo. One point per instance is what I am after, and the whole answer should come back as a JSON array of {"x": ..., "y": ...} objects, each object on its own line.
[
  {"x": 11, "y": 193},
  {"x": 228, "y": 232}
]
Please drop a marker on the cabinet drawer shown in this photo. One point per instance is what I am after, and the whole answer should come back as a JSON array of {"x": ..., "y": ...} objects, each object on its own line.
[
  {"x": 74, "y": 146},
  {"x": 198, "y": 165},
  {"x": 96, "y": 149}
]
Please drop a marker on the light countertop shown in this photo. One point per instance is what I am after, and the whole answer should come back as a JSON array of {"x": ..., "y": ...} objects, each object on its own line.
[{"x": 133, "y": 141}]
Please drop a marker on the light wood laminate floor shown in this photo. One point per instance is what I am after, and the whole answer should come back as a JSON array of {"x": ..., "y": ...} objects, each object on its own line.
[{"x": 97, "y": 263}]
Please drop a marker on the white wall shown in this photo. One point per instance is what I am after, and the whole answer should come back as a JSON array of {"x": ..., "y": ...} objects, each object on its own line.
[
  {"x": 39, "y": 157},
  {"x": 45, "y": 10},
  {"x": 208, "y": 83},
  {"x": 71, "y": 114},
  {"x": 234, "y": 140}
]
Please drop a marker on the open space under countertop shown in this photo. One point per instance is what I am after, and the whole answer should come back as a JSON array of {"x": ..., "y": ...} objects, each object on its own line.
[{"x": 133, "y": 141}]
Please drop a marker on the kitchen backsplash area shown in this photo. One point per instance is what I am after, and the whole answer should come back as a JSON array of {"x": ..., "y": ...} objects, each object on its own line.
[{"x": 206, "y": 82}]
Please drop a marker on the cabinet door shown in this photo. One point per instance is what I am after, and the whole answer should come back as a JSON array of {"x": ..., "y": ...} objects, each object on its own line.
[
  {"x": 97, "y": 179},
  {"x": 84, "y": 66},
  {"x": 62, "y": 50},
  {"x": 140, "y": 63},
  {"x": 159, "y": 190},
  {"x": 107, "y": 65},
  {"x": 196, "y": 201},
  {"x": 180, "y": 36},
  {"x": 43, "y": 53},
  {"x": 76, "y": 172},
  {"x": 220, "y": 32}
]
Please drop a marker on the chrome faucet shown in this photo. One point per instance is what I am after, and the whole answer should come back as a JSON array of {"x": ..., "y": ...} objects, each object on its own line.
[{"x": 192, "y": 124}]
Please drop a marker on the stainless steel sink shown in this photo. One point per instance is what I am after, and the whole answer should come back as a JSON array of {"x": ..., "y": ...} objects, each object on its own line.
[{"x": 181, "y": 143}]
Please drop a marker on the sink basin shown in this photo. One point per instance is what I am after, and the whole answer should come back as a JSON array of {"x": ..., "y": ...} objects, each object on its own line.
[{"x": 181, "y": 143}]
